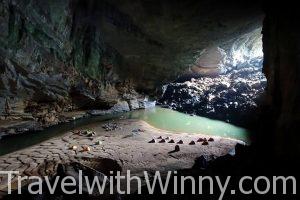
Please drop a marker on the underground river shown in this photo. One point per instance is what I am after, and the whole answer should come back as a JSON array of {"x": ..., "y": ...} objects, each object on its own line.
[{"x": 161, "y": 118}]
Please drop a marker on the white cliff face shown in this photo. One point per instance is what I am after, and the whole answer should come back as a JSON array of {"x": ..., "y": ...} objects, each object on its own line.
[
  {"x": 211, "y": 57},
  {"x": 246, "y": 48}
]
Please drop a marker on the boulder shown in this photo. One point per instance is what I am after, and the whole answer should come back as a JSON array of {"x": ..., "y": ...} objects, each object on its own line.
[
  {"x": 121, "y": 106},
  {"x": 211, "y": 57},
  {"x": 134, "y": 104}
]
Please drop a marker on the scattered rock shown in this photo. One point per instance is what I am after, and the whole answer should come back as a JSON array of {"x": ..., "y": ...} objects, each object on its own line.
[
  {"x": 111, "y": 126},
  {"x": 87, "y": 133},
  {"x": 85, "y": 148},
  {"x": 138, "y": 130},
  {"x": 232, "y": 96},
  {"x": 159, "y": 137},
  {"x": 73, "y": 147},
  {"x": 171, "y": 141},
  {"x": 205, "y": 143},
  {"x": 211, "y": 140},
  {"x": 98, "y": 142},
  {"x": 90, "y": 133},
  {"x": 192, "y": 142},
  {"x": 200, "y": 140},
  {"x": 167, "y": 138}
]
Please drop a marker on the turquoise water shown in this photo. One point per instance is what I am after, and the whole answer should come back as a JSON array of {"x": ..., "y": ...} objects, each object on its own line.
[
  {"x": 171, "y": 120},
  {"x": 161, "y": 118}
]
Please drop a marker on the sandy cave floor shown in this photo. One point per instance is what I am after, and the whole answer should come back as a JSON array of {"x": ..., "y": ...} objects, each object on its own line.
[{"x": 130, "y": 149}]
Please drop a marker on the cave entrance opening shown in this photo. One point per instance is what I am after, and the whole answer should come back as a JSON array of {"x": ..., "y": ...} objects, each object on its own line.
[{"x": 224, "y": 83}]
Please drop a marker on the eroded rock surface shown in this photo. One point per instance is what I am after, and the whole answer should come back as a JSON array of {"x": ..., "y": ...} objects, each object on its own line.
[
  {"x": 228, "y": 85},
  {"x": 231, "y": 97},
  {"x": 61, "y": 56}
]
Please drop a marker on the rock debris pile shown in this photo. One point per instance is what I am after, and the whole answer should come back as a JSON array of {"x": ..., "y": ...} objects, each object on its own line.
[{"x": 230, "y": 97}]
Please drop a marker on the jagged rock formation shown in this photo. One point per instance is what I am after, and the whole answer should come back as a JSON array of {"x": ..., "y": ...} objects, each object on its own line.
[
  {"x": 53, "y": 59},
  {"x": 233, "y": 97},
  {"x": 57, "y": 56},
  {"x": 227, "y": 85}
]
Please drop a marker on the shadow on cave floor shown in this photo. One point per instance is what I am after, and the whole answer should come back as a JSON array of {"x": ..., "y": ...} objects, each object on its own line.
[{"x": 244, "y": 163}]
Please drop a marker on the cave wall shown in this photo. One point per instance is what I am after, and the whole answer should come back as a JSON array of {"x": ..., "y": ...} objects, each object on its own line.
[
  {"x": 53, "y": 51},
  {"x": 281, "y": 42},
  {"x": 174, "y": 33},
  {"x": 97, "y": 51}
]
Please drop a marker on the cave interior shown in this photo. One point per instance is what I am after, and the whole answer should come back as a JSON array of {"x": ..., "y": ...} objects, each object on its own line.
[{"x": 67, "y": 65}]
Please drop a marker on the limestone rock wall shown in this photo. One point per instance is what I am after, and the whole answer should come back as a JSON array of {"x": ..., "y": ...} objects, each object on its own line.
[
  {"x": 92, "y": 53},
  {"x": 281, "y": 40},
  {"x": 53, "y": 52}
]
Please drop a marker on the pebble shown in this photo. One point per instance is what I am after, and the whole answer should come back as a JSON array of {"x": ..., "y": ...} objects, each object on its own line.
[
  {"x": 141, "y": 130},
  {"x": 110, "y": 126},
  {"x": 249, "y": 80},
  {"x": 98, "y": 142},
  {"x": 87, "y": 133},
  {"x": 73, "y": 147},
  {"x": 90, "y": 133}
]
